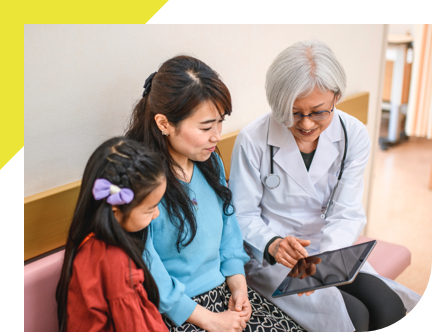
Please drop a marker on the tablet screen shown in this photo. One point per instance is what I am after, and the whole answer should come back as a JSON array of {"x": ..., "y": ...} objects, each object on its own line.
[{"x": 332, "y": 268}]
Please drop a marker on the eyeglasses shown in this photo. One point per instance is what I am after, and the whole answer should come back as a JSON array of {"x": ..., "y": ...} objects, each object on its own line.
[{"x": 315, "y": 116}]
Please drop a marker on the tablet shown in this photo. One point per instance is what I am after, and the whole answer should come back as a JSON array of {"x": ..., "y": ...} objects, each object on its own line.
[{"x": 331, "y": 268}]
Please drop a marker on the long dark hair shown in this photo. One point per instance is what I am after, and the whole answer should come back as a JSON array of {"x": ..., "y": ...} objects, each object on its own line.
[
  {"x": 181, "y": 84},
  {"x": 129, "y": 165}
]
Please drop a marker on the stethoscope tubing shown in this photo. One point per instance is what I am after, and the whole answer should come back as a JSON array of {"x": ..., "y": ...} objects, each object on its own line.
[
  {"x": 272, "y": 180},
  {"x": 330, "y": 202}
]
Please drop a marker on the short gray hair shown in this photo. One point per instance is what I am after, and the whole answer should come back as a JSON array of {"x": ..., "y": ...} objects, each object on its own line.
[{"x": 296, "y": 71}]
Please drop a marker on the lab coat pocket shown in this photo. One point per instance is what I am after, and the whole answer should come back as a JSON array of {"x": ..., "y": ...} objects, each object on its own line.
[{"x": 331, "y": 182}]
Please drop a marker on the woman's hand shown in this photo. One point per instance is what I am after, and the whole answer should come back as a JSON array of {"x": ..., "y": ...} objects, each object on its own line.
[
  {"x": 227, "y": 321},
  {"x": 239, "y": 302},
  {"x": 232, "y": 320},
  {"x": 289, "y": 250}
]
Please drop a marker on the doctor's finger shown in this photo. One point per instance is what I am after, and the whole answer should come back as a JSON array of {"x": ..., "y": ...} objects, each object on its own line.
[
  {"x": 288, "y": 251},
  {"x": 288, "y": 261},
  {"x": 293, "y": 249},
  {"x": 298, "y": 247},
  {"x": 304, "y": 243}
]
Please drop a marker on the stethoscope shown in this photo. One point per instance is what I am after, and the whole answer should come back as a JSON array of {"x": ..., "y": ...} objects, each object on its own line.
[{"x": 272, "y": 180}]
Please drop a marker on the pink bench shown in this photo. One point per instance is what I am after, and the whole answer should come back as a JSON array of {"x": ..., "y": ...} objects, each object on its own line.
[
  {"x": 388, "y": 259},
  {"x": 41, "y": 278},
  {"x": 40, "y": 282}
]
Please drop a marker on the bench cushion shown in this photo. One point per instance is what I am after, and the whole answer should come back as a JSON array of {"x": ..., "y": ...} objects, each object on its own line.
[
  {"x": 40, "y": 282},
  {"x": 41, "y": 278},
  {"x": 388, "y": 259}
]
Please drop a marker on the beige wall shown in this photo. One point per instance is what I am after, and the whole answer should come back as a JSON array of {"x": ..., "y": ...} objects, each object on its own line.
[{"x": 82, "y": 80}]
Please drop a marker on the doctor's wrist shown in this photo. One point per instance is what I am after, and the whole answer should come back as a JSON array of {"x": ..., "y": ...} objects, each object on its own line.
[{"x": 268, "y": 251}]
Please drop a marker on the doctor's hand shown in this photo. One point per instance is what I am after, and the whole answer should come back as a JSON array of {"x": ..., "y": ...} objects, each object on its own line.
[
  {"x": 307, "y": 293},
  {"x": 289, "y": 250}
]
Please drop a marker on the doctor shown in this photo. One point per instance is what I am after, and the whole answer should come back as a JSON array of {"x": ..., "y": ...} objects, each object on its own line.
[{"x": 284, "y": 168}]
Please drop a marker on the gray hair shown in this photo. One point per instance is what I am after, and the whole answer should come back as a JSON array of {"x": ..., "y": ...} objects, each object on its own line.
[{"x": 296, "y": 71}]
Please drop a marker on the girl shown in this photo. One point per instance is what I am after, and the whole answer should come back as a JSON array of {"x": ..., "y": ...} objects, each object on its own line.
[
  {"x": 195, "y": 246},
  {"x": 104, "y": 283}
]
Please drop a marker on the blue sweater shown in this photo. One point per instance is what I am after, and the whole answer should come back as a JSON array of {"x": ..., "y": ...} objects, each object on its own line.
[{"x": 215, "y": 253}]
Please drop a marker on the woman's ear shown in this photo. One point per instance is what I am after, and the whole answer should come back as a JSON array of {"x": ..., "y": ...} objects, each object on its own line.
[{"x": 162, "y": 123}]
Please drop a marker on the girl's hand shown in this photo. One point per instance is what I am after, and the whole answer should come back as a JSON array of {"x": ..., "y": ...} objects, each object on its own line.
[
  {"x": 227, "y": 321},
  {"x": 239, "y": 302}
]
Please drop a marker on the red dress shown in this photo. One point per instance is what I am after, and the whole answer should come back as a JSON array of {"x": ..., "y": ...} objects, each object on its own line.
[{"x": 101, "y": 295}]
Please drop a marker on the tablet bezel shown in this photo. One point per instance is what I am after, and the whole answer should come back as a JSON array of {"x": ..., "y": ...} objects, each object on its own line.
[{"x": 356, "y": 268}]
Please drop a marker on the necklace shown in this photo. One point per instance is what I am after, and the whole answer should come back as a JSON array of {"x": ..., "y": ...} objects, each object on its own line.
[
  {"x": 193, "y": 200},
  {"x": 195, "y": 204}
]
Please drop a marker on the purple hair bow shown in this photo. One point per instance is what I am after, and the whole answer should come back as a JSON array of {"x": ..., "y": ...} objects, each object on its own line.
[{"x": 116, "y": 196}]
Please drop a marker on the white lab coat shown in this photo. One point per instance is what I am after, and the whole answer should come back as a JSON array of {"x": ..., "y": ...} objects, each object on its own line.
[{"x": 294, "y": 208}]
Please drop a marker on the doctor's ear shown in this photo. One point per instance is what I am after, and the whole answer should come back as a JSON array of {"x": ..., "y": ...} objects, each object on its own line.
[{"x": 337, "y": 97}]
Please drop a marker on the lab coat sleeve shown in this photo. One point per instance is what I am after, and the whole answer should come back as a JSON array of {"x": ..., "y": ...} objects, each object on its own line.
[
  {"x": 174, "y": 303},
  {"x": 347, "y": 218},
  {"x": 245, "y": 183}
]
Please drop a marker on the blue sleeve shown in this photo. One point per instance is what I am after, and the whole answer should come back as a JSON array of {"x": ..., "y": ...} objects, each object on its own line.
[
  {"x": 174, "y": 303},
  {"x": 232, "y": 254}
]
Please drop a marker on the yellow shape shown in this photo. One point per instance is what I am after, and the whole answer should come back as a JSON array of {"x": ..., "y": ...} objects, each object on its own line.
[{"x": 15, "y": 15}]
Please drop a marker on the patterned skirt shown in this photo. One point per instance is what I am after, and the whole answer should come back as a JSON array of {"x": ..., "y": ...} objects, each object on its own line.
[{"x": 266, "y": 317}]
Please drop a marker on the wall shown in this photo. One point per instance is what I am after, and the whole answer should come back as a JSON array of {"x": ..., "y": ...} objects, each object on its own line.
[
  {"x": 81, "y": 81},
  {"x": 402, "y": 29}
]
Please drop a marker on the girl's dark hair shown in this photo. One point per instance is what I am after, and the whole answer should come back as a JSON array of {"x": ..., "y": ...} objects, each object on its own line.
[
  {"x": 180, "y": 86},
  {"x": 129, "y": 165}
]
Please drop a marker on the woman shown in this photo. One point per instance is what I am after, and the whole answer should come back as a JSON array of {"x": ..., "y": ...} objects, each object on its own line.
[
  {"x": 302, "y": 141},
  {"x": 195, "y": 246}
]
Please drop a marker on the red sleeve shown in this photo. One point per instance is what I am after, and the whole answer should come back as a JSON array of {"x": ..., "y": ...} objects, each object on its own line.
[
  {"x": 134, "y": 311},
  {"x": 101, "y": 296}
]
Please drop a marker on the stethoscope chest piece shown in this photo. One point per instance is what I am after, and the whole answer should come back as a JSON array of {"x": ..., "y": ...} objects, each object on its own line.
[{"x": 272, "y": 181}]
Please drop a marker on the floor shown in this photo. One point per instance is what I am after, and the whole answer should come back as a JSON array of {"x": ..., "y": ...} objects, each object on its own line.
[{"x": 401, "y": 205}]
